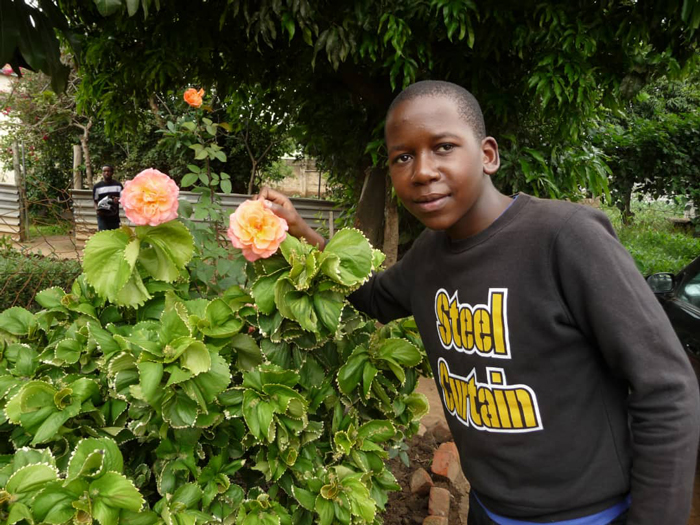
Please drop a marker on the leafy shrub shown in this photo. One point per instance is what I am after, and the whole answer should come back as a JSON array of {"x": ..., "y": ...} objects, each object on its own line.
[
  {"x": 23, "y": 275},
  {"x": 134, "y": 399},
  {"x": 652, "y": 240}
]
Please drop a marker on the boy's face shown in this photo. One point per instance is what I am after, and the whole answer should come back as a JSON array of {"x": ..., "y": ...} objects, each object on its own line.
[
  {"x": 438, "y": 166},
  {"x": 107, "y": 173}
]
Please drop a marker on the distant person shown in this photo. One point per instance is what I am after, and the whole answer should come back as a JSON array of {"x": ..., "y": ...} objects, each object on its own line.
[{"x": 106, "y": 195}]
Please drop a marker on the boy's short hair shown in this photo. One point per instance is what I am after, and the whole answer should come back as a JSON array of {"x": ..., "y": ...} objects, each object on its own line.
[
  {"x": 469, "y": 108},
  {"x": 108, "y": 166}
]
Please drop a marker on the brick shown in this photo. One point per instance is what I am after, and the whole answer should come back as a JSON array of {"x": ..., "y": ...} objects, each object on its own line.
[
  {"x": 446, "y": 461},
  {"x": 441, "y": 432},
  {"x": 420, "y": 482},
  {"x": 435, "y": 520},
  {"x": 439, "y": 502}
]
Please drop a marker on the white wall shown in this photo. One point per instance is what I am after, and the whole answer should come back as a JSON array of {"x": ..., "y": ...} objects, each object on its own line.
[{"x": 6, "y": 172}]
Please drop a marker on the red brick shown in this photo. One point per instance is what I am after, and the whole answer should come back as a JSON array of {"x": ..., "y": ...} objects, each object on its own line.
[
  {"x": 435, "y": 520},
  {"x": 446, "y": 461},
  {"x": 421, "y": 482},
  {"x": 439, "y": 502}
]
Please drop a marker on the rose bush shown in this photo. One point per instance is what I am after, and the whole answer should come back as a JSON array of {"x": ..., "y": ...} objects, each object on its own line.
[
  {"x": 256, "y": 230},
  {"x": 140, "y": 398}
]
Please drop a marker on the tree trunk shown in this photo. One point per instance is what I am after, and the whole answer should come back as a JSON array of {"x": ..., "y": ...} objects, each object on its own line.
[
  {"x": 626, "y": 207},
  {"x": 251, "y": 182},
  {"x": 77, "y": 161},
  {"x": 391, "y": 229},
  {"x": 369, "y": 217},
  {"x": 86, "y": 152}
]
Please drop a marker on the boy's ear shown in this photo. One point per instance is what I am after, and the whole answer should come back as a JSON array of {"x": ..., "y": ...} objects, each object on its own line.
[{"x": 491, "y": 159}]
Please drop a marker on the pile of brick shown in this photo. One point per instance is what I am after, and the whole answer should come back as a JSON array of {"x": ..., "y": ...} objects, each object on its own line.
[{"x": 445, "y": 466}]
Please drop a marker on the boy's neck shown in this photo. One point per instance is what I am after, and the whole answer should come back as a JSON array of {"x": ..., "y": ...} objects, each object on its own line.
[{"x": 490, "y": 206}]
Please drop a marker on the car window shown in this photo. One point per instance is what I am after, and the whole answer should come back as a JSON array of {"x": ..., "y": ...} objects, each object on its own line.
[{"x": 690, "y": 291}]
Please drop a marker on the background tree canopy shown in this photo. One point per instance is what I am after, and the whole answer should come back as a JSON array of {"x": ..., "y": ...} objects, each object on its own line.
[{"x": 545, "y": 72}]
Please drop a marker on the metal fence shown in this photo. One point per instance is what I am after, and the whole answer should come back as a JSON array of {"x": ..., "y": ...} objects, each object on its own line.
[
  {"x": 10, "y": 211},
  {"x": 317, "y": 213}
]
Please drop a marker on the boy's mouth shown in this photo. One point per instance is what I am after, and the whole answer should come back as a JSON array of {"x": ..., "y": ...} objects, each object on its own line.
[{"x": 430, "y": 202}]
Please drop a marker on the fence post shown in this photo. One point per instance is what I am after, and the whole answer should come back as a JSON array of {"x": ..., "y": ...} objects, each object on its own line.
[
  {"x": 21, "y": 189},
  {"x": 331, "y": 221}
]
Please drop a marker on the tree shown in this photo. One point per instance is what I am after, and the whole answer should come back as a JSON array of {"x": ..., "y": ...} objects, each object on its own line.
[
  {"x": 654, "y": 145},
  {"x": 542, "y": 70}
]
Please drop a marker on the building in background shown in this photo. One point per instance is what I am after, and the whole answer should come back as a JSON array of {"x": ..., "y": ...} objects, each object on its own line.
[{"x": 6, "y": 76}]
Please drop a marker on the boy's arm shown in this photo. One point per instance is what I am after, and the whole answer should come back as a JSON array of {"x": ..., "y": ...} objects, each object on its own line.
[{"x": 611, "y": 302}]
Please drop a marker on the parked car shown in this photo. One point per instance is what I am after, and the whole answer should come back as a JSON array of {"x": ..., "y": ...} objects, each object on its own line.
[{"x": 680, "y": 296}]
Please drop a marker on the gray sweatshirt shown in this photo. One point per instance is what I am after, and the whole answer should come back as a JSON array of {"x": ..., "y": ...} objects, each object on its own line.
[{"x": 562, "y": 380}]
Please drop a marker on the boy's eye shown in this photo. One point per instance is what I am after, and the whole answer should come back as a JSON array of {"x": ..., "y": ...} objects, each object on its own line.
[
  {"x": 445, "y": 147},
  {"x": 401, "y": 159}
]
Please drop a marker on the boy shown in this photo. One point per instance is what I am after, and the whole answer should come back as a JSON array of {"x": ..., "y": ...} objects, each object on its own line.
[
  {"x": 567, "y": 392},
  {"x": 106, "y": 195}
]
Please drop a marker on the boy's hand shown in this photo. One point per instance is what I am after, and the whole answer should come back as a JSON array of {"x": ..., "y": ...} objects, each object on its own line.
[{"x": 283, "y": 207}]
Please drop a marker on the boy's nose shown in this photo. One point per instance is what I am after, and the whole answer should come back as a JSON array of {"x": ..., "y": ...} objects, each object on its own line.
[{"x": 425, "y": 169}]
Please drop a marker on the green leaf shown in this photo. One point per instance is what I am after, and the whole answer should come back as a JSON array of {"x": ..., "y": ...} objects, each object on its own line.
[
  {"x": 328, "y": 306},
  {"x": 189, "y": 179},
  {"x": 19, "y": 512},
  {"x": 325, "y": 510},
  {"x": 28, "y": 480},
  {"x": 116, "y": 491},
  {"x": 173, "y": 245},
  {"x": 300, "y": 305},
  {"x": 377, "y": 430},
  {"x": 108, "y": 7},
  {"x": 258, "y": 415},
  {"x": 50, "y": 298},
  {"x": 150, "y": 375},
  {"x": 249, "y": 353},
  {"x": 221, "y": 321},
  {"x": 264, "y": 291},
  {"x": 401, "y": 351},
  {"x": 354, "y": 254},
  {"x": 68, "y": 351},
  {"x": 132, "y": 6},
  {"x": 305, "y": 498},
  {"x": 350, "y": 374},
  {"x": 196, "y": 358},
  {"x": 104, "y": 262},
  {"x": 17, "y": 321},
  {"x": 179, "y": 410},
  {"x": 94, "y": 457},
  {"x": 53, "y": 504}
]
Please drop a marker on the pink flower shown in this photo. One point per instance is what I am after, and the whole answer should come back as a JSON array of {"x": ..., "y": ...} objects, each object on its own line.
[
  {"x": 150, "y": 198},
  {"x": 256, "y": 230}
]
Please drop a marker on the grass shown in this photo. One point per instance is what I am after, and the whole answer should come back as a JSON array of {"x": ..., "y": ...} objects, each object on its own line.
[
  {"x": 652, "y": 240},
  {"x": 38, "y": 230}
]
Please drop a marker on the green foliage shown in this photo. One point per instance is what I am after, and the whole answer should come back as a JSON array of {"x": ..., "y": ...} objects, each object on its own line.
[
  {"x": 652, "y": 240},
  {"x": 542, "y": 71},
  {"x": 23, "y": 275},
  {"x": 274, "y": 402},
  {"x": 653, "y": 146}
]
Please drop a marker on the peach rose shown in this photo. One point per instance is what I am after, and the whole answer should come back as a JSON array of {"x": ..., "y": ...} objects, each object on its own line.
[
  {"x": 150, "y": 198},
  {"x": 256, "y": 230},
  {"x": 194, "y": 97}
]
